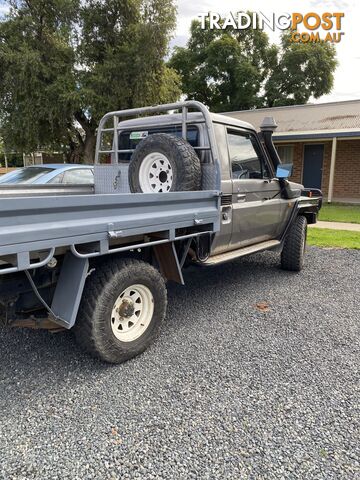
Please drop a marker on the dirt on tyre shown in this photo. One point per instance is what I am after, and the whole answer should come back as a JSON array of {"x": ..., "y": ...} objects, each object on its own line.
[
  {"x": 164, "y": 163},
  {"x": 292, "y": 255},
  {"x": 123, "y": 305}
]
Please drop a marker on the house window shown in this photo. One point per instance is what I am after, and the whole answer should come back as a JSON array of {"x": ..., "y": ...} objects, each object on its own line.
[{"x": 286, "y": 153}]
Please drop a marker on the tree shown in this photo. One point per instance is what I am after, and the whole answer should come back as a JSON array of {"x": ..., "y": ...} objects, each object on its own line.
[
  {"x": 240, "y": 69},
  {"x": 301, "y": 71},
  {"x": 64, "y": 63},
  {"x": 2, "y": 152},
  {"x": 122, "y": 45},
  {"x": 36, "y": 74}
]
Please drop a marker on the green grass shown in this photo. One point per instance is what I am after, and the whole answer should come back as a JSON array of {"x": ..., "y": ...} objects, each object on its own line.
[
  {"x": 340, "y": 212},
  {"x": 326, "y": 237}
]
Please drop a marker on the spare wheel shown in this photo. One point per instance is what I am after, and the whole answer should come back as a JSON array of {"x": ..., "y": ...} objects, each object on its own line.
[{"x": 164, "y": 163}]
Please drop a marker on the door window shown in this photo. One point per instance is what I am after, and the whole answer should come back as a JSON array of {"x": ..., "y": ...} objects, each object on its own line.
[
  {"x": 245, "y": 156},
  {"x": 58, "y": 178},
  {"x": 79, "y": 176}
]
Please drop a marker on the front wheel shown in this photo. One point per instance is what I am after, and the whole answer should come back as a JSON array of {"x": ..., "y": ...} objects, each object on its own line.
[
  {"x": 292, "y": 255},
  {"x": 123, "y": 305}
]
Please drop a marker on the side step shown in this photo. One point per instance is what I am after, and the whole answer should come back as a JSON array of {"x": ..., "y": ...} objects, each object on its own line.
[{"x": 241, "y": 252}]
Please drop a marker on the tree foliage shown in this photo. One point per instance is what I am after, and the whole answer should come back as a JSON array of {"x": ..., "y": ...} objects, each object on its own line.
[
  {"x": 301, "y": 71},
  {"x": 64, "y": 63},
  {"x": 240, "y": 69},
  {"x": 36, "y": 73}
]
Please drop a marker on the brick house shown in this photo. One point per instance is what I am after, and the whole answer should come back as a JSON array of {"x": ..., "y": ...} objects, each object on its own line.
[{"x": 322, "y": 141}]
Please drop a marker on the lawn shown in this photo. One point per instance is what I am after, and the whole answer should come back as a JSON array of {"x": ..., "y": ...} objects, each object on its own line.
[
  {"x": 340, "y": 212},
  {"x": 326, "y": 237}
]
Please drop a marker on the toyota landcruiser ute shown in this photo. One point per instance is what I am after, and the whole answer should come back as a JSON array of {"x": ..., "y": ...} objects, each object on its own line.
[{"x": 175, "y": 186}]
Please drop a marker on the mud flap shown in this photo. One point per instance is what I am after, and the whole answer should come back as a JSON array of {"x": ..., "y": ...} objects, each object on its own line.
[
  {"x": 168, "y": 261},
  {"x": 69, "y": 289}
]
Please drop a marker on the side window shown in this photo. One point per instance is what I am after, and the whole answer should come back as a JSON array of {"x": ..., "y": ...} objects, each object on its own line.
[
  {"x": 245, "y": 156},
  {"x": 77, "y": 176},
  {"x": 57, "y": 179}
]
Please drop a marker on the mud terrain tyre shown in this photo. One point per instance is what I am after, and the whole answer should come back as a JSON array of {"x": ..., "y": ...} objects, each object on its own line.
[
  {"x": 292, "y": 255},
  {"x": 164, "y": 163},
  {"x": 122, "y": 308}
]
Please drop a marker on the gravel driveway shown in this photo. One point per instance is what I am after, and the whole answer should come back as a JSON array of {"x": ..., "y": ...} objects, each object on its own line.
[{"x": 227, "y": 392}]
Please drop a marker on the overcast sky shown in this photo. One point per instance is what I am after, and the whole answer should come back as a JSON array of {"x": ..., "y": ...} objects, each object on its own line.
[{"x": 347, "y": 75}]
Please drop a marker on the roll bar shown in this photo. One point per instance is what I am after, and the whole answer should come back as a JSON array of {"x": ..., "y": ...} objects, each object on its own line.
[{"x": 183, "y": 106}]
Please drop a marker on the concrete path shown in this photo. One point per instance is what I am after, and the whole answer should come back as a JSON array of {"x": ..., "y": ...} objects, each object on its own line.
[{"x": 354, "y": 227}]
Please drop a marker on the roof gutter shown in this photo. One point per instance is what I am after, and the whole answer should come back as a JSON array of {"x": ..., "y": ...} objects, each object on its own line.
[{"x": 323, "y": 135}]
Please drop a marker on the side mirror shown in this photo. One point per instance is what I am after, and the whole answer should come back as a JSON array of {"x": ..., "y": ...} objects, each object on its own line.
[{"x": 284, "y": 170}]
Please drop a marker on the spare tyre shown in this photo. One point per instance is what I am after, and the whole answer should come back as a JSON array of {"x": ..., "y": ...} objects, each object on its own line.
[{"x": 164, "y": 163}]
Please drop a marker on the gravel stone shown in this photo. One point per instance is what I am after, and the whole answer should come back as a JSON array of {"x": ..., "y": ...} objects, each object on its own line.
[{"x": 227, "y": 392}]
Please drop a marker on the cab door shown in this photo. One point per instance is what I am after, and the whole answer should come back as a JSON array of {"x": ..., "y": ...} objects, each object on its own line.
[{"x": 256, "y": 201}]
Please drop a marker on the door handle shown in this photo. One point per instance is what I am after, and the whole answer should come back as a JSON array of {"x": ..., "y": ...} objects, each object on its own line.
[{"x": 241, "y": 197}]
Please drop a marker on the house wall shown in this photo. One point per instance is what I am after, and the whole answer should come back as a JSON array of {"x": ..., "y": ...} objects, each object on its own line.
[{"x": 347, "y": 167}]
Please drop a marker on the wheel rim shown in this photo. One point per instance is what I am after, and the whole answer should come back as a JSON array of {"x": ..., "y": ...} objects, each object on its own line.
[
  {"x": 155, "y": 173},
  {"x": 132, "y": 313}
]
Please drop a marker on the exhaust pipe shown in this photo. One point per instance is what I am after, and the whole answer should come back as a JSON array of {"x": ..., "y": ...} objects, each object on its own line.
[{"x": 267, "y": 127}]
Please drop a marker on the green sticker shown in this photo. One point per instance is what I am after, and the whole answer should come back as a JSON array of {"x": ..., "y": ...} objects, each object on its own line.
[{"x": 138, "y": 135}]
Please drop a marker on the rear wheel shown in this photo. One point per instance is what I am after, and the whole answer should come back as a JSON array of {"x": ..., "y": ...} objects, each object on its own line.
[
  {"x": 123, "y": 305},
  {"x": 292, "y": 255}
]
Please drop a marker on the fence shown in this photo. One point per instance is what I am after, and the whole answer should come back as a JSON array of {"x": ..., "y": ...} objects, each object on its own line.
[{"x": 6, "y": 170}]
